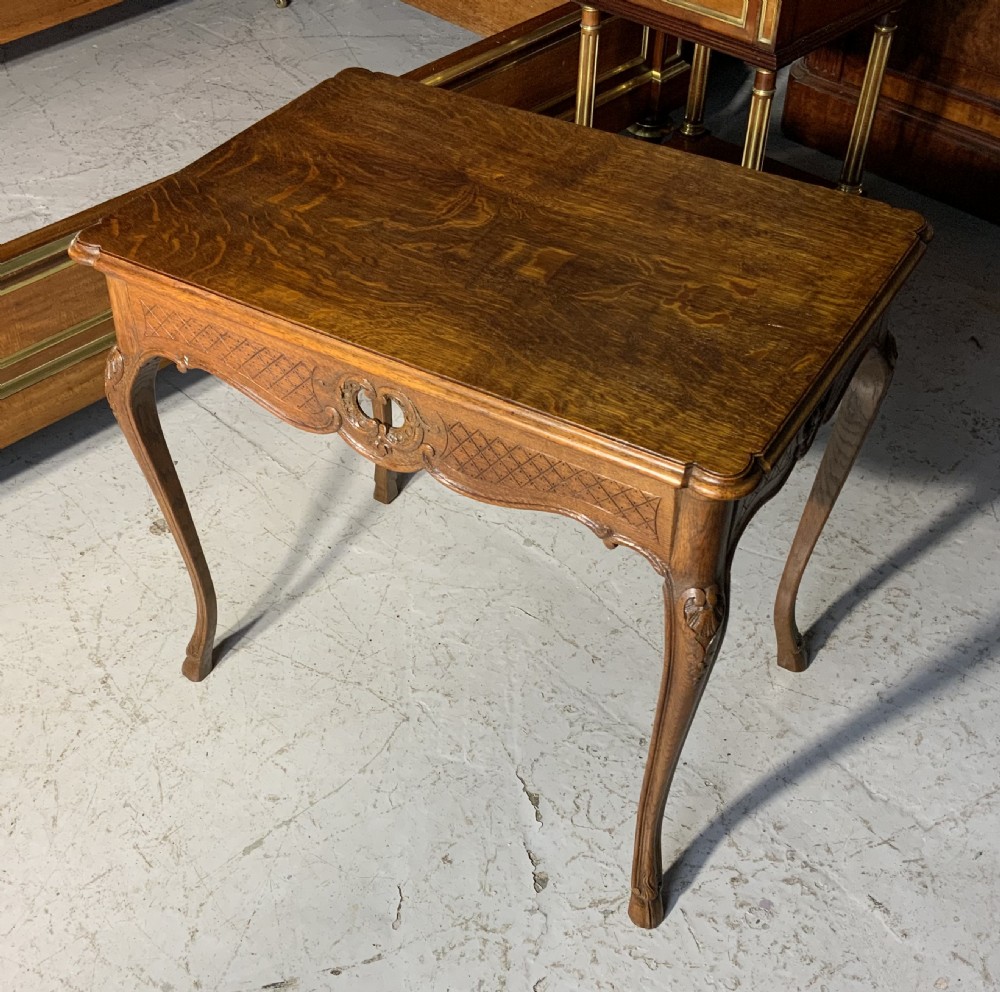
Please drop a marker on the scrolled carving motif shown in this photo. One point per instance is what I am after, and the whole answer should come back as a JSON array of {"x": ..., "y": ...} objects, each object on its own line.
[
  {"x": 115, "y": 367},
  {"x": 645, "y": 908},
  {"x": 384, "y": 439},
  {"x": 702, "y": 611},
  {"x": 811, "y": 428},
  {"x": 647, "y": 887}
]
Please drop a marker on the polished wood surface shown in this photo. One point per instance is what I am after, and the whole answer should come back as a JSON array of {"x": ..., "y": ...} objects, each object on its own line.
[
  {"x": 564, "y": 320},
  {"x": 937, "y": 127},
  {"x": 391, "y": 214},
  {"x": 532, "y": 66},
  {"x": 22, "y": 17}
]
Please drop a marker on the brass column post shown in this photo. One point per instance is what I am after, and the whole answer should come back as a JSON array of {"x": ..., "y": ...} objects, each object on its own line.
[
  {"x": 864, "y": 116},
  {"x": 760, "y": 114},
  {"x": 694, "y": 112},
  {"x": 586, "y": 81}
]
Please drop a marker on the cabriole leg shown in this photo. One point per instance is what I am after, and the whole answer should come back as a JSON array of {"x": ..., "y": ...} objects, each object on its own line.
[
  {"x": 586, "y": 81},
  {"x": 695, "y": 595},
  {"x": 855, "y": 417},
  {"x": 131, "y": 390}
]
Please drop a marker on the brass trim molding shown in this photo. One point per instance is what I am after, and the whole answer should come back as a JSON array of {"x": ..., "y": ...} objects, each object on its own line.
[
  {"x": 453, "y": 72},
  {"x": 33, "y": 257},
  {"x": 31, "y": 260},
  {"x": 713, "y": 13},
  {"x": 28, "y": 280},
  {"x": 673, "y": 65},
  {"x": 57, "y": 365},
  {"x": 33, "y": 349},
  {"x": 768, "y": 21},
  {"x": 612, "y": 93}
]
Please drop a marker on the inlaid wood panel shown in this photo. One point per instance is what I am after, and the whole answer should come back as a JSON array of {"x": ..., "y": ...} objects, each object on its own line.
[{"x": 485, "y": 16}]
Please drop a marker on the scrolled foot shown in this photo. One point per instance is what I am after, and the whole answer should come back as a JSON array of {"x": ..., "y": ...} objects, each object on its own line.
[
  {"x": 792, "y": 654},
  {"x": 197, "y": 664},
  {"x": 646, "y": 911}
]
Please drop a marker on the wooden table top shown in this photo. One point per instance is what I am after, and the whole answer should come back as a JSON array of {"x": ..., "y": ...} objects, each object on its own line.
[{"x": 678, "y": 305}]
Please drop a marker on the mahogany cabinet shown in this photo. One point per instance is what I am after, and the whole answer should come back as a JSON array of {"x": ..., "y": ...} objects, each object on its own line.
[
  {"x": 937, "y": 127},
  {"x": 55, "y": 322},
  {"x": 484, "y": 16}
]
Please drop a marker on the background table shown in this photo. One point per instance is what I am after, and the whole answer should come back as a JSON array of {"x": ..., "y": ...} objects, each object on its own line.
[{"x": 768, "y": 34}]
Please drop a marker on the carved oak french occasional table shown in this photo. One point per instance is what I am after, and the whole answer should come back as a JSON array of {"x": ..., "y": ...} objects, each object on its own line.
[{"x": 565, "y": 320}]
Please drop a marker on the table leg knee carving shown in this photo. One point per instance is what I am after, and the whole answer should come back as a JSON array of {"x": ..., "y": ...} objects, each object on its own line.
[
  {"x": 695, "y": 597},
  {"x": 694, "y": 624}
]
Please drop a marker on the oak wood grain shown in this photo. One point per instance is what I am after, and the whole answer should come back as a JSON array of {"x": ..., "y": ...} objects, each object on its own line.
[
  {"x": 559, "y": 267},
  {"x": 531, "y": 66},
  {"x": 565, "y": 321}
]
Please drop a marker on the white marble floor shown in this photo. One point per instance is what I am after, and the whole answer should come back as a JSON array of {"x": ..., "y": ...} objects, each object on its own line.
[{"x": 416, "y": 766}]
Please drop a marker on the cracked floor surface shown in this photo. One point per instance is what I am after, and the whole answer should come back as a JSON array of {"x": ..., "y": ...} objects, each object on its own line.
[{"x": 417, "y": 765}]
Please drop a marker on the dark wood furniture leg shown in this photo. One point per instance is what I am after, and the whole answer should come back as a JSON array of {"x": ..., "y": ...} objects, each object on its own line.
[
  {"x": 855, "y": 417},
  {"x": 854, "y": 160},
  {"x": 130, "y": 383},
  {"x": 694, "y": 109},
  {"x": 760, "y": 116},
  {"x": 695, "y": 597},
  {"x": 386, "y": 481}
]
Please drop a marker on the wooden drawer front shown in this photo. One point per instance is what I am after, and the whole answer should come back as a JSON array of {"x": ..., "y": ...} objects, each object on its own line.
[
  {"x": 727, "y": 11},
  {"x": 767, "y": 33}
]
